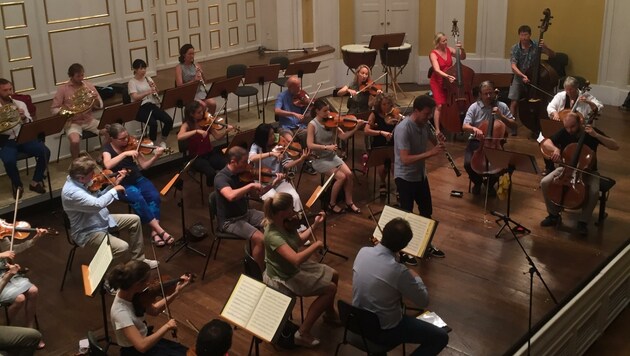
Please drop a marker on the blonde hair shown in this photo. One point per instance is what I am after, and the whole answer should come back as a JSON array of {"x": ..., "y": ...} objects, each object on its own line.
[
  {"x": 436, "y": 39},
  {"x": 356, "y": 72},
  {"x": 277, "y": 203}
]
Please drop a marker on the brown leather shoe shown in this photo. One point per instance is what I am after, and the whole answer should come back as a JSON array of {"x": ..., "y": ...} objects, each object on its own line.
[{"x": 38, "y": 188}]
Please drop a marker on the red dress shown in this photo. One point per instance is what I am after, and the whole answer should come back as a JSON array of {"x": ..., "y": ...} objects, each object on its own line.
[{"x": 439, "y": 94}]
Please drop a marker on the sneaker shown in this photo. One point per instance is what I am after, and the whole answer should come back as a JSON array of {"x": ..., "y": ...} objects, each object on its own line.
[
  {"x": 408, "y": 260},
  {"x": 301, "y": 229},
  {"x": 550, "y": 220},
  {"x": 305, "y": 340},
  {"x": 163, "y": 144},
  {"x": 582, "y": 228},
  {"x": 434, "y": 252},
  {"x": 152, "y": 263}
]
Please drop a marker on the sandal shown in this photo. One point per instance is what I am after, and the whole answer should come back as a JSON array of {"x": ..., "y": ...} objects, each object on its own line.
[
  {"x": 166, "y": 237},
  {"x": 157, "y": 240},
  {"x": 336, "y": 209},
  {"x": 355, "y": 209}
]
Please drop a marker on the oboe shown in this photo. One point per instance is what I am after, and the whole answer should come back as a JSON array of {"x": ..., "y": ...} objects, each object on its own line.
[
  {"x": 448, "y": 155},
  {"x": 202, "y": 81},
  {"x": 156, "y": 96}
]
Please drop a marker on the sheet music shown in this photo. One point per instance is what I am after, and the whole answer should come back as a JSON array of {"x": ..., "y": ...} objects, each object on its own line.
[
  {"x": 421, "y": 227},
  {"x": 99, "y": 264},
  {"x": 243, "y": 301},
  {"x": 269, "y": 314}
]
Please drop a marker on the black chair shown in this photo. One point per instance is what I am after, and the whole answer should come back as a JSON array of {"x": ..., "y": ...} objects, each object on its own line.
[
  {"x": 217, "y": 232},
  {"x": 360, "y": 327},
  {"x": 559, "y": 62},
  {"x": 281, "y": 81},
  {"x": 66, "y": 226},
  {"x": 605, "y": 185},
  {"x": 242, "y": 91},
  {"x": 183, "y": 148},
  {"x": 95, "y": 348},
  {"x": 6, "y": 306},
  {"x": 85, "y": 136}
]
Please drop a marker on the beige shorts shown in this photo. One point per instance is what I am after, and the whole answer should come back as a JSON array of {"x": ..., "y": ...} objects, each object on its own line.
[{"x": 91, "y": 126}]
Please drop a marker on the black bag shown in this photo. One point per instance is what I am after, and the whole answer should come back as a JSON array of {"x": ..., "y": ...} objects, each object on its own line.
[
  {"x": 286, "y": 340},
  {"x": 430, "y": 72}
]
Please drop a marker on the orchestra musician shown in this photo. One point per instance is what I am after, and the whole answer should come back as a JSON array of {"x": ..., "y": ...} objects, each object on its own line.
[
  {"x": 214, "y": 339},
  {"x": 90, "y": 220},
  {"x": 233, "y": 214},
  {"x": 80, "y": 121},
  {"x": 523, "y": 55},
  {"x": 571, "y": 133},
  {"x": 131, "y": 331},
  {"x": 411, "y": 137},
  {"x": 196, "y": 132},
  {"x": 379, "y": 284},
  {"x": 441, "y": 58},
  {"x": 187, "y": 70},
  {"x": 18, "y": 291},
  {"x": 140, "y": 192},
  {"x": 289, "y": 266},
  {"x": 480, "y": 111},
  {"x": 141, "y": 87},
  {"x": 321, "y": 141},
  {"x": 380, "y": 127},
  {"x": 586, "y": 103},
  {"x": 359, "y": 101},
  {"x": 10, "y": 150}
]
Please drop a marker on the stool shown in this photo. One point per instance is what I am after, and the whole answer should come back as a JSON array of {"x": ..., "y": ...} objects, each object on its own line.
[{"x": 604, "y": 189}]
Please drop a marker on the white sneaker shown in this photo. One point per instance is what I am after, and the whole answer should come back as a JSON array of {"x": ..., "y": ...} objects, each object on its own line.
[{"x": 152, "y": 263}]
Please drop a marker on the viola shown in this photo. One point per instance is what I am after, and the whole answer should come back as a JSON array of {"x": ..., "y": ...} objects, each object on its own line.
[
  {"x": 145, "y": 146},
  {"x": 141, "y": 301},
  {"x": 495, "y": 132},
  {"x": 22, "y": 231},
  {"x": 301, "y": 99}
]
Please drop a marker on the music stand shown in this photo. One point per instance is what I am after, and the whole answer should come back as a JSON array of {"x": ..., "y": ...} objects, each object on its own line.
[
  {"x": 301, "y": 68},
  {"x": 179, "y": 97},
  {"x": 549, "y": 127},
  {"x": 244, "y": 138},
  {"x": 382, "y": 156},
  {"x": 119, "y": 114},
  {"x": 511, "y": 161},
  {"x": 261, "y": 75},
  {"x": 383, "y": 42},
  {"x": 38, "y": 130},
  {"x": 183, "y": 242},
  {"x": 223, "y": 88}
]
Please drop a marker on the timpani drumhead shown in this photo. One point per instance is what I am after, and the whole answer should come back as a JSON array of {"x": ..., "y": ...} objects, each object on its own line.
[
  {"x": 356, "y": 54},
  {"x": 396, "y": 56}
]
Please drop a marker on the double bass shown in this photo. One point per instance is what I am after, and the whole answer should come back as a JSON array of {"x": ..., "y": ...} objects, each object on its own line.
[
  {"x": 459, "y": 93},
  {"x": 542, "y": 79}
]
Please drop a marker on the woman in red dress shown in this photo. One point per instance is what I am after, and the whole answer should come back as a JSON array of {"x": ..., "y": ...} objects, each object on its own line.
[{"x": 441, "y": 59}]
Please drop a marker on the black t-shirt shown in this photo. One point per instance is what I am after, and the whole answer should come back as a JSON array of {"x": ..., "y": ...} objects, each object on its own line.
[
  {"x": 562, "y": 139},
  {"x": 128, "y": 163},
  {"x": 228, "y": 209},
  {"x": 381, "y": 125}
]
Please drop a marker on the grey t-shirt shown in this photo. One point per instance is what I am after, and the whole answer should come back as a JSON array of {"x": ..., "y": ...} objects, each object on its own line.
[{"x": 413, "y": 138}]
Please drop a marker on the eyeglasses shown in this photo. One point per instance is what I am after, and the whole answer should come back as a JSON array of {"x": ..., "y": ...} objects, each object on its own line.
[{"x": 122, "y": 138}]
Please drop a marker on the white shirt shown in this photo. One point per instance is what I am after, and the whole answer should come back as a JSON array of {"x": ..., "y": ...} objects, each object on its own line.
[
  {"x": 141, "y": 86},
  {"x": 13, "y": 132},
  {"x": 559, "y": 101}
]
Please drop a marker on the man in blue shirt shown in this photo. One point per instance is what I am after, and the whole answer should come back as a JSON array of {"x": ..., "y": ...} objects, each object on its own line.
[{"x": 379, "y": 283}]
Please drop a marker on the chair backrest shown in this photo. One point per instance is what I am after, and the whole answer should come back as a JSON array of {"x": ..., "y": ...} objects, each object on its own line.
[
  {"x": 182, "y": 146},
  {"x": 212, "y": 204},
  {"x": 359, "y": 321},
  {"x": 66, "y": 226},
  {"x": 251, "y": 266},
  {"x": 26, "y": 99},
  {"x": 95, "y": 348},
  {"x": 281, "y": 60},
  {"x": 234, "y": 70}
]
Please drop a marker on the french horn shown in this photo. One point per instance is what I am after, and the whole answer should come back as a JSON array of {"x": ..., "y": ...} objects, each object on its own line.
[
  {"x": 9, "y": 117},
  {"x": 82, "y": 101}
]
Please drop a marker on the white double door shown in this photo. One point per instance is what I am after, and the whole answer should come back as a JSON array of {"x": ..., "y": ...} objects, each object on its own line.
[{"x": 379, "y": 17}]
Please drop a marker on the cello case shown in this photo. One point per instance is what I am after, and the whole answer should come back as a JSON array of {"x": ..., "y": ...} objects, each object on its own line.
[{"x": 459, "y": 94}]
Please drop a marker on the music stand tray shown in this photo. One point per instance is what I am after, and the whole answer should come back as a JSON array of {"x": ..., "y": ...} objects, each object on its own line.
[
  {"x": 379, "y": 42},
  {"x": 224, "y": 87},
  {"x": 179, "y": 96},
  {"x": 242, "y": 138},
  {"x": 39, "y": 129},
  {"x": 119, "y": 113},
  {"x": 301, "y": 68}
]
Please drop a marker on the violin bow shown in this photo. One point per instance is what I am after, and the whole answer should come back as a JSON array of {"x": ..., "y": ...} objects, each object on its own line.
[
  {"x": 214, "y": 119},
  {"x": 305, "y": 217},
  {"x": 18, "y": 196},
  {"x": 290, "y": 142},
  {"x": 370, "y": 85},
  {"x": 144, "y": 130},
  {"x": 374, "y": 218},
  {"x": 166, "y": 308},
  {"x": 312, "y": 99}
]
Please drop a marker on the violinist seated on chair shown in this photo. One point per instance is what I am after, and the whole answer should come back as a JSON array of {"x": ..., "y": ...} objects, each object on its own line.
[
  {"x": 380, "y": 126},
  {"x": 127, "y": 313},
  {"x": 362, "y": 91},
  {"x": 476, "y": 122},
  {"x": 564, "y": 102},
  {"x": 557, "y": 145},
  {"x": 12, "y": 114}
]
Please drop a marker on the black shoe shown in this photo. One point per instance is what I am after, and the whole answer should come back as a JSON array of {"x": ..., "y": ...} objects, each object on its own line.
[
  {"x": 38, "y": 188},
  {"x": 550, "y": 220},
  {"x": 582, "y": 228},
  {"x": 16, "y": 189},
  {"x": 408, "y": 260},
  {"x": 434, "y": 252},
  {"x": 476, "y": 189},
  {"x": 308, "y": 168}
]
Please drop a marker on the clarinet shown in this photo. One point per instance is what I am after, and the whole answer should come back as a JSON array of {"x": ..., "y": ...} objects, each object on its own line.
[{"x": 448, "y": 155}]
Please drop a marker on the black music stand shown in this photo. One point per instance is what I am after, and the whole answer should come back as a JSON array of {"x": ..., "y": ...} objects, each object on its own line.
[
  {"x": 261, "y": 75},
  {"x": 383, "y": 42},
  {"x": 511, "y": 161},
  {"x": 301, "y": 68},
  {"x": 243, "y": 139},
  {"x": 223, "y": 88},
  {"x": 179, "y": 97},
  {"x": 183, "y": 242},
  {"x": 38, "y": 130},
  {"x": 119, "y": 114},
  {"x": 382, "y": 156}
]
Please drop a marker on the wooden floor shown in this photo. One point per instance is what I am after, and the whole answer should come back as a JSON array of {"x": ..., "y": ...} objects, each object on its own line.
[{"x": 480, "y": 289}]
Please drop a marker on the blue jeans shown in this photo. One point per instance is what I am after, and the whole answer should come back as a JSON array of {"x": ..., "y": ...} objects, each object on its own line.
[
  {"x": 36, "y": 148},
  {"x": 413, "y": 331},
  {"x": 144, "y": 199}
]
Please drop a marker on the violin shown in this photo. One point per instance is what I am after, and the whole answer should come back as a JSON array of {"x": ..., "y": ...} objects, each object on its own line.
[
  {"x": 495, "y": 132},
  {"x": 371, "y": 87},
  {"x": 145, "y": 146},
  {"x": 393, "y": 117},
  {"x": 293, "y": 149},
  {"x": 22, "y": 231},
  {"x": 215, "y": 122},
  {"x": 141, "y": 301},
  {"x": 103, "y": 178},
  {"x": 301, "y": 99},
  {"x": 253, "y": 174},
  {"x": 346, "y": 121}
]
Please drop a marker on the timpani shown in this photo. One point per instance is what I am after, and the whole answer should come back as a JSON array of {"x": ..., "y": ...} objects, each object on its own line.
[
  {"x": 394, "y": 59},
  {"x": 356, "y": 54}
]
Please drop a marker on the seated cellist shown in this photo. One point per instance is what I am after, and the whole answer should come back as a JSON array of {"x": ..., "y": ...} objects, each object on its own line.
[
  {"x": 556, "y": 144},
  {"x": 479, "y": 112}
]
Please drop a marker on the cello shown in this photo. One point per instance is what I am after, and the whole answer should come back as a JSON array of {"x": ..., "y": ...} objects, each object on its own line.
[
  {"x": 459, "y": 93},
  {"x": 542, "y": 79},
  {"x": 495, "y": 132}
]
